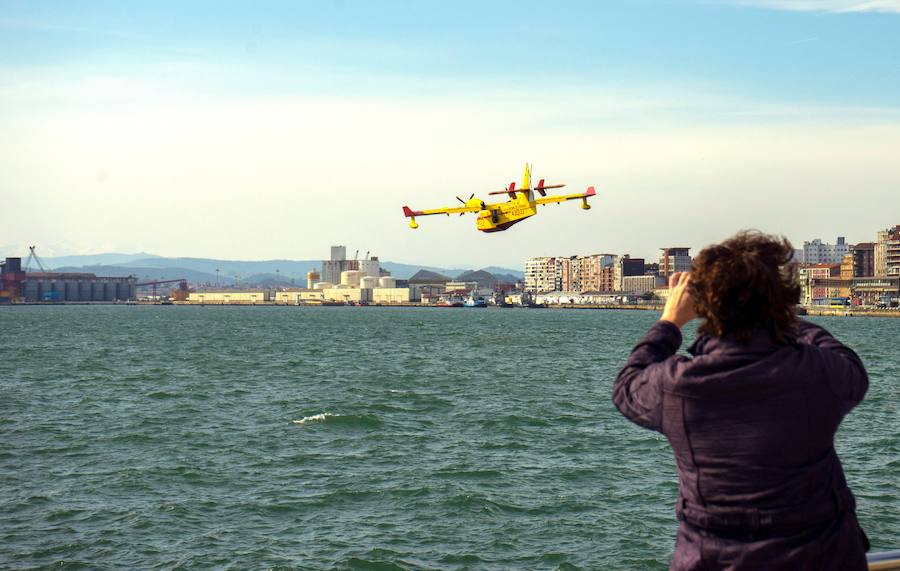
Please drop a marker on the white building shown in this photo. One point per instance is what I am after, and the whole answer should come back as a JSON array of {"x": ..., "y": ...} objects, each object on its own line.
[
  {"x": 229, "y": 296},
  {"x": 543, "y": 275},
  {"x": 640, "y": 284},
  {"x": 816, "y": 252},
  {"x": 332, "y": 269}
]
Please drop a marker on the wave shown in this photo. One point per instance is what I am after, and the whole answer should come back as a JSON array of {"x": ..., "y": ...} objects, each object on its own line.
[
  {"x": 314, "y": 418},
  {"x": 352, "y": 420}
]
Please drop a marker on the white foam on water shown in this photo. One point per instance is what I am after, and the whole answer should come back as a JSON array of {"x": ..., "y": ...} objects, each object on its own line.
[{"x": 321, "y": 417}]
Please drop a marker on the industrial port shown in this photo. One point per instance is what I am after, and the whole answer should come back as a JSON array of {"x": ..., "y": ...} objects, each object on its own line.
[
  {"x": 18, "y": 285},
  {"x": 835, "y": 279}
]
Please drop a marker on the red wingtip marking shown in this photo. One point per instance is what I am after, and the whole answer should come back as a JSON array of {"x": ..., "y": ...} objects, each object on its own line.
[
  {"x": 407, "y": 212},
  {"x": 512, "y": 186},
  {"x": 591, "y": 191},
  {"x": 541, "y": 184}
]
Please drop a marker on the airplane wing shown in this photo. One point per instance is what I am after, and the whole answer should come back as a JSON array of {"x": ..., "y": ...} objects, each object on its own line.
[
  {"x": 458, "y": 210},
  {"x": 565, "y": 197}
]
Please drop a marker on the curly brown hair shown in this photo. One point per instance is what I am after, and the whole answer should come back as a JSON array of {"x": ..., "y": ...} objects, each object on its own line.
[{"x": 746, "y": 283}]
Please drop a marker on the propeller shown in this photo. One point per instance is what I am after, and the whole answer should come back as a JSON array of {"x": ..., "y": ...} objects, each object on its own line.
[{"x": 465, "y": 202}]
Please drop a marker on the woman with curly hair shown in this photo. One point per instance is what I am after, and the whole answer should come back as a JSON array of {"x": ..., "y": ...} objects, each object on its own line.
[{"x": 750, "y": 416}]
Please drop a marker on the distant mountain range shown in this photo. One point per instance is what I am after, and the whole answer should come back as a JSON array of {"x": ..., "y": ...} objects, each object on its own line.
[{"x": 148, "y": 267}]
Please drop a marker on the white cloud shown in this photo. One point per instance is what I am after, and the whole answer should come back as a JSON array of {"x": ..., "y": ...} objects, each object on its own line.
[{"x": 836, "y": 6}]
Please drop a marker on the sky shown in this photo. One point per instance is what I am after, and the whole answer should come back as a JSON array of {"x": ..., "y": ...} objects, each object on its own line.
[{"x": 264, "y": 130}]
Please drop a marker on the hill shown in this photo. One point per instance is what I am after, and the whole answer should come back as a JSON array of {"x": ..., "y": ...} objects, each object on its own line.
[
  {"x": 204, "y": 270},
  {"x": 428, "y": 277}
]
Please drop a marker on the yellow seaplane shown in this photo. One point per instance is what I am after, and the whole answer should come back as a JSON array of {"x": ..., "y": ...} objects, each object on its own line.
[{"x": 499, "y": 216}]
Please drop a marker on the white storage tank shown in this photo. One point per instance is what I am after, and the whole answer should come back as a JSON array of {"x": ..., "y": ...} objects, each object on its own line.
[
  {"x": 350, "y": 278},
  {"x": 369, "y": 268},
  {"x": 368, "y": 282},
  {"x": 323, "y": 285},
  {"x": 387, "y": 281}
]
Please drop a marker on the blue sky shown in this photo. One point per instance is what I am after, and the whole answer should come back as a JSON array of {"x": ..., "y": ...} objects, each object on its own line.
[{"x": 694, "y": 118}]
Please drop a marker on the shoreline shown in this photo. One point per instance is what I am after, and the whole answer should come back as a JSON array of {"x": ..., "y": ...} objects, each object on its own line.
[{"x": 810, "y": 311}]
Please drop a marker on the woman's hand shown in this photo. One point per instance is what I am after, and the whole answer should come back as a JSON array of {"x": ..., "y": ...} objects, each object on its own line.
[{"x": 679, "y": 306}]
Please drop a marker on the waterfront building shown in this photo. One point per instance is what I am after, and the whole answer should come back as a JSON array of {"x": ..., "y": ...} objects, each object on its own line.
[
  {"x": 877, "y": 290},
  {"x": 892, "y": 251},
  {"x": 299, "y": 296},
  {"x": 16, "y": 284},
  {"x": 348, "y": 294},
  {"x": 816, "y": 252},
  {"x": 332, "y": 269},
  {"x": 639, "y": 284},
  {"x": 863, "y": 259},
  {"x": 565, "y": 273},
  {"x": 543, "y": 274},
  {"x": 880, "y": 253},
  {"x": 815, "y": 283},
  {"x": 846, "y": 275},
  {"x": 607, "y": 279},
  {"x": 585, "y": 273},
  {"x": 229, "y": 297},
  {"x": 397, "y": 295},
  {"x": 674, "y": 260},
  {"x": 468, "y": 286},
  {"x": 626, "y": 266}
]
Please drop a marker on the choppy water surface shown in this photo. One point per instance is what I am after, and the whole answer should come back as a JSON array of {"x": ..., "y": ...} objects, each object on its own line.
[{"x": 357, "y": 438}]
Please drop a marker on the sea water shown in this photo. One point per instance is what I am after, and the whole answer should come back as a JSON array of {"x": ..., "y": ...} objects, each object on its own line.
[{"x": 181, "y": 437}]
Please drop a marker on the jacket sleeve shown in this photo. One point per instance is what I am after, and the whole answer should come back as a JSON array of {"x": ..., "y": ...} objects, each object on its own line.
[
  {"x": 638, "y": 390},
  {"x": 846, "y": 374}
]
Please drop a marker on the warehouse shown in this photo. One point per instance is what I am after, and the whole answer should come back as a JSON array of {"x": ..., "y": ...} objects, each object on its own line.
[
  {"x": 229, "y": 297},
  {"x": 299, "y": 297}
]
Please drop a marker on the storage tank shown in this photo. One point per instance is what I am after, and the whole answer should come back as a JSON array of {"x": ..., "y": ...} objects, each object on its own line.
[
  {"x": 387, "y": 282},
  {"x": 350, "y": 278},
  {"x": 368, "y": 282},
  {"x": 312, "y": 277},
  {"x": 369, "y": 268},
  {"x": 323, "y": 285}
]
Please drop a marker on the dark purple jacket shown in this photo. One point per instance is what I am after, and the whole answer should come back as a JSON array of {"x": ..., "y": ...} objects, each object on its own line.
[{"x": 752, "y": 428}]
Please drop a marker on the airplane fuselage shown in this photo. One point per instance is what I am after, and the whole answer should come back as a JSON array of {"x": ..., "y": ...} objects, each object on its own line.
[{"x": 499, "y": 217}]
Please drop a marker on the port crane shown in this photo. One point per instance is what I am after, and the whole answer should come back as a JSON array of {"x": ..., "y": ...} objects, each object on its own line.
[{"x": 32, "y": 256}]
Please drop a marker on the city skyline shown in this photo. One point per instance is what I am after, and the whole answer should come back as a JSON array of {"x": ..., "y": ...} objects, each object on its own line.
[
  {"x": 203, "y": 131},
  {"x": 21, "y": 251}
]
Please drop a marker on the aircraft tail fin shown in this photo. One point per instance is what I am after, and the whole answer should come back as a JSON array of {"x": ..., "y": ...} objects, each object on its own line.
[{"x": 526, "y": 180}]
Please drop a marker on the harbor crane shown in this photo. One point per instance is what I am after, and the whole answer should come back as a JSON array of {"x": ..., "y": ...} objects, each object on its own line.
[{"x": 32, "y": 255}]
